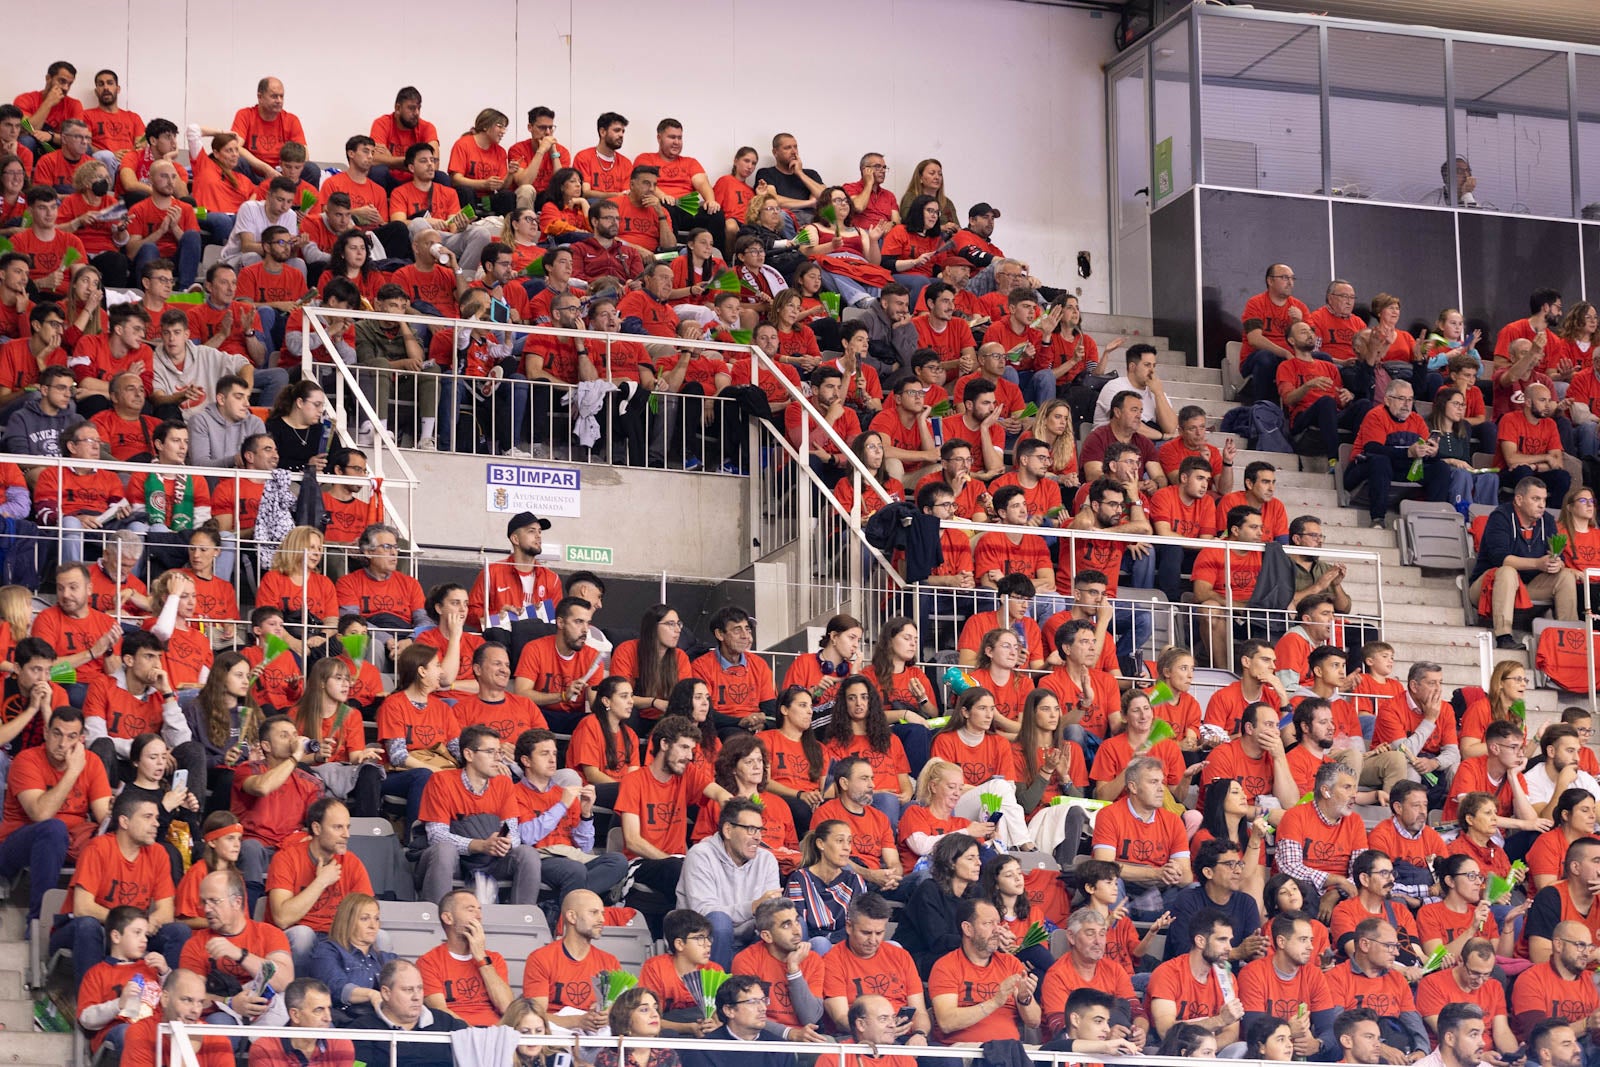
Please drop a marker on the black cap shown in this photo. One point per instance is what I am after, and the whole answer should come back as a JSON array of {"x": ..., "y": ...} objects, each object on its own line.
[
  {"x": 525, "y": 518},
  {"x": 983, "y": 208}
]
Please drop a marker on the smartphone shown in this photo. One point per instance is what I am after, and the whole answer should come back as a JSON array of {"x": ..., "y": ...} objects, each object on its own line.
[
  {"x": 180, "y": 778},
  {"x": 905, "y": 1014},
  {"x": 504, "y": 831}
]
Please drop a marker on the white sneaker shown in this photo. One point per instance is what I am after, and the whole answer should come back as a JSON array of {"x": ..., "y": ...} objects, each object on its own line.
[
  {"x": 516, "y": 453},
  {"x": 426, "y": 444},
  {"x": 538, "y": 451}
]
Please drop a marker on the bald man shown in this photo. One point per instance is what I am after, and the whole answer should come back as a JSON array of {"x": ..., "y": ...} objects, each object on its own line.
[
  {"x": 183, "y": 999},
  {"x": 559, "y": 977},
  {"x": 1530, "y": 442},
  {"x": 1559, "y": 988}
]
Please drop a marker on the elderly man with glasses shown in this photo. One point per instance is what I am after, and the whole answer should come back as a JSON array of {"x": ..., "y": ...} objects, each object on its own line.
[{"x": 1392, "y": 439}]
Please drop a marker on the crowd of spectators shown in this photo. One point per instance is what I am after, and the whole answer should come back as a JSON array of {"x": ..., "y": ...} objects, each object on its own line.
[{"x": 1317, "y": 861}]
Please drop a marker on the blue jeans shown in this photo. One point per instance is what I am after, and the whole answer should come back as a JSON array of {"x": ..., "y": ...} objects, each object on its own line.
[
  {"x": 1261, "y": 368},
  {"x": 187, "y": 259},
  {"x": 721, "y": 939},
  {"x": 1588, "y": 438},
  {"x": 1474, "y": 488},
  {"x": 216, "y": 226},
  {"x": 408, "y": 784},
  {"x": 889, "y": 804},
  {"x": 39, "y": 848},
  {"x": 850, "y": 291}
]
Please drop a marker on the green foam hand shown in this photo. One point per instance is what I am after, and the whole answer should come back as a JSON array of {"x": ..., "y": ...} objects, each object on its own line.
[
  {"x": 1161, "y": 731},
  {"x": 1436, "y": 959},
  {"x": 668, "y": 257},
  {"x": 308, "y": 199},
  {"x": 941, "y": 409},
  {"x": 535, "y": 269},
  {"x": 273, "y": 646},
  {"x": 1161, "y": 693},
  {"x": 1558, "y": 544},
  {"x": 726, "y": 282},
  {"x": 831, "y": 301},
  {"x": 689, "y": 204},
  {"x": 742, "y": 337},
  {"x": 990, "y": 802},
  {"x": 1015, "y": 354},
  {"x": 1029, "y": 411},
  {"x": 64, "y": 674}
]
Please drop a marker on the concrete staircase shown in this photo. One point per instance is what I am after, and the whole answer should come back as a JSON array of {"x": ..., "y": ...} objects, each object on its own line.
[
  {"x": 20, "y": 1045},
  {"x": 1422, "y": 616}
]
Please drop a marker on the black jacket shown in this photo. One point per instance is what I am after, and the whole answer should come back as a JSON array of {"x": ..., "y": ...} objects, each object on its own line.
[
  {"x": 410, "y": 1054},
  {"x": 738, "y": 1056}
]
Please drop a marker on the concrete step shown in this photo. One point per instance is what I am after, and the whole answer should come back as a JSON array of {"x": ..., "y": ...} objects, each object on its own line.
[
  {"x": 26, "y": 1049},
  {"x": 17, "y": 1017},
  {"x": 1365, "y": 594},
  {"x": 1179, "y": 376},
  {"x": 1322, "y": 501},
  {"x": 1404, "y": 609},
  {"x": 1117, "y": 324},
  {"x": 1288, "y": 467},
  {"x": 1182, "y": 393},
  {"x": 1359, "y": 537}
]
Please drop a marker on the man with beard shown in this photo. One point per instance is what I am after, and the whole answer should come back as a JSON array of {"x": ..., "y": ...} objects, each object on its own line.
[
  {"x": 394, "y": 133},
  {"x": 559, "y": 978},
  {"x": 980, "y": 993},
  {"x": 1281, "y": 984},
  {"x": 1186, "y": 989}
]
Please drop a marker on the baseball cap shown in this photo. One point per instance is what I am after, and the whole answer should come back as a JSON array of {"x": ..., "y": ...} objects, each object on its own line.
[
  {"x": 983, "y": 208},
  {"x": 524, "y": 519},
  {"x": 952, "y": 259}
]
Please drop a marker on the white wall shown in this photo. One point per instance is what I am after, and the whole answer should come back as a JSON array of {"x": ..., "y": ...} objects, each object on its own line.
[{"x": 1008, "y": 95}]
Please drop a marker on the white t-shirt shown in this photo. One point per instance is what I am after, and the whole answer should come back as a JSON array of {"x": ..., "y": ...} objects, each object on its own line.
[
  {"x": 252, "y": 218},
  {"x": 1541, "y": 788},
  {"x": 1121, "y": 384}
]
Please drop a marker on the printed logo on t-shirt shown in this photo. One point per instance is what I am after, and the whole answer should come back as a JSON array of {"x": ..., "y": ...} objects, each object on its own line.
[
  {"x": 977, "y": 992},
  {"x": 423, "y": 735},
  {"x": 465, "y": 990},
  {"x": 883, "y": 985},
  {"x": 578, "y": 994},
  {"x": 661, "y": 814}
]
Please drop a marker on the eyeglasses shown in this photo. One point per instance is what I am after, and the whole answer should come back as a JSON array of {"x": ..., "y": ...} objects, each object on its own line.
[
  {"x": 706, "y": 938},
  {"x": 673, "y": 624},
  {"x": 763, "y": 1001},
  {"x": 1284, "y": 277},
  {"x": 1481, "y": 976},
  {"x": 1471, "y": 876},
  {"x": 1232, "y": 865},
  {"x": 755, "y": 830},
  {"x": 1584, "y": 500},
  {"x": 1392, "y": 946}
]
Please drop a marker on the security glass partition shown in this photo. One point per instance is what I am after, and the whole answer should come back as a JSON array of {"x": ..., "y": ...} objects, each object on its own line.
[{"x": 1456, "y": 166}]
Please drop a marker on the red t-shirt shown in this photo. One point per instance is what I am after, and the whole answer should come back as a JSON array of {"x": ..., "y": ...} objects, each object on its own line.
[
  {"x": 889, "y": 973},
  {"x": 1324, "y": 848},
  {"x": 398, "y": 594},
  {"x": 1174, "y": 980},
  {"x": 870, "y": 831},
  {"x": 662, "y": 807},
  {"x": 1262, "y": 989},
  {"x": 273, "y": 818},
  {"x": 421, "y": 728},
  {"x": 757, "y": 960},
  {"x": 990, "y": 758},
  {"x": 973, "y": 984},
  {"x": 997, "y": 552},
  {"x": 738, "y": 689},
  {"x": 1441, "y": 988},
  {"x": 316, "y": 598},
  {"x": 1540, "y": 989},
  {"x": 1336, "y": 335},
  {"x": 113, "y": 879},
  {"x": 46, "y": 256},
  {"x": 1293, "y": 373},
  {"x": 550, "y": 672},
  {"x": 1228, "y": 760},
  {"x": 507, "y": 717},
  {"x": 887, "y": 766},
  {"x": 265, "y": 139},
  {"x": 562, "y": 981},
  {"x": 1134, "y": 840},
  {"x": 32, "y": 770},
  {"x": 1272, "y": 320},
  {"x": 1397, "y": 719},
  {"x": 461, "y": 985},
  {"x": 293, "y": 869},
  {"x": 1241, "y": 571},
  {"x": 1387, "y": 994}
]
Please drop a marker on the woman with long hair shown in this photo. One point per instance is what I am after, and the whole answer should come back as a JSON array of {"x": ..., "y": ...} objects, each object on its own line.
[
  {"x": 1463, "y": 912},
  {"x": 636, "y": 1013},
  {"x": 521, "y": 1015},
  {"x": 691, "y": 698},
  {"x": 692, "y": 275},
  {"x": 1577, "y": 521},
  {"x": 999, "y": 670},
  {"x": 848, "y": 254},
  {"x": 940, "y": 787},
  {"x": 296, "y": 426},
  {"x": 603, "y": 746},
  {"x": 797, "y": 345},
  {"x": 411, "y": 760},
  {"x": 1578, "y": 329},
  {"x": 1047, "y": 765},
  {"x": 838, "y": 656},
  {"x": 563, "y": 212},
  {"x": 305, "y": 595},
  {"x": 1229, "y": 816},
  {"x": 188, "y": 655},
  {"x": 857, "y": 727},
  {"x": 736, "y": 192},
  {"x": 1508, "y": 684},
  {"x": 927, "y": 179},
  {"x": 216, "y": 602},
  {"x": 1004, "y": 884},
  {"x": 151, "y": 780},
  {"x": 653, "y": 662},
  {"x": 868, "y": 448},
  {"x": 1574, "y": 818},
  {"x": 928, "y": 927},
  {"x": 910, "y": 248},
  {"x": 902, "y": 685},
  {"x": 349, "y": 768},
  {"x": 225, "y": 720},
  {"x": 973, "y": 741},
  {"x": 351, "y": 260},
  {"x": 743, "y": 768},
  {"x": 216, "y": 849},
  {"x": 1053, "y": 426},
  {"x": 349, "y": 960},
  {"x": 824, "y": 883},
  {"x": 1453, "y": 433},
  {"x": 16, "y": 622},
  {"x": 798, "y": 761},
  {"x": 84, "y": 312},
  {"x": 97, "y": 218},
  {"x": 479, "y": 166}
]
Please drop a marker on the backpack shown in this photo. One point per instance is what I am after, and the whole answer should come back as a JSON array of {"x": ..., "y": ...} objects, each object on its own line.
[{"x": 1271, "y": 428}]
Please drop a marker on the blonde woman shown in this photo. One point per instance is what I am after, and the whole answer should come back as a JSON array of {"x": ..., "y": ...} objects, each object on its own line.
[
  {"x": 16, "y": 622},
  {"x": 350, "y": 958},
  {"x": 1053, "y": 426},
  {"x": 300, "y": 590},
  {"x": 927, "y": 179}
]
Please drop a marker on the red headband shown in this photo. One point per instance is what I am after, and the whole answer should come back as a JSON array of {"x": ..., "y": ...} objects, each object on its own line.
[{"x": 223, "y": 831}]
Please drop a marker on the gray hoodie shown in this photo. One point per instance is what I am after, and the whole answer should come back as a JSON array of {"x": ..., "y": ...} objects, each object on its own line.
[
  {"x": 30, "y": 432},
  {"x": 214, "y": 441},
  {"x": 711, "y": 882}
]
